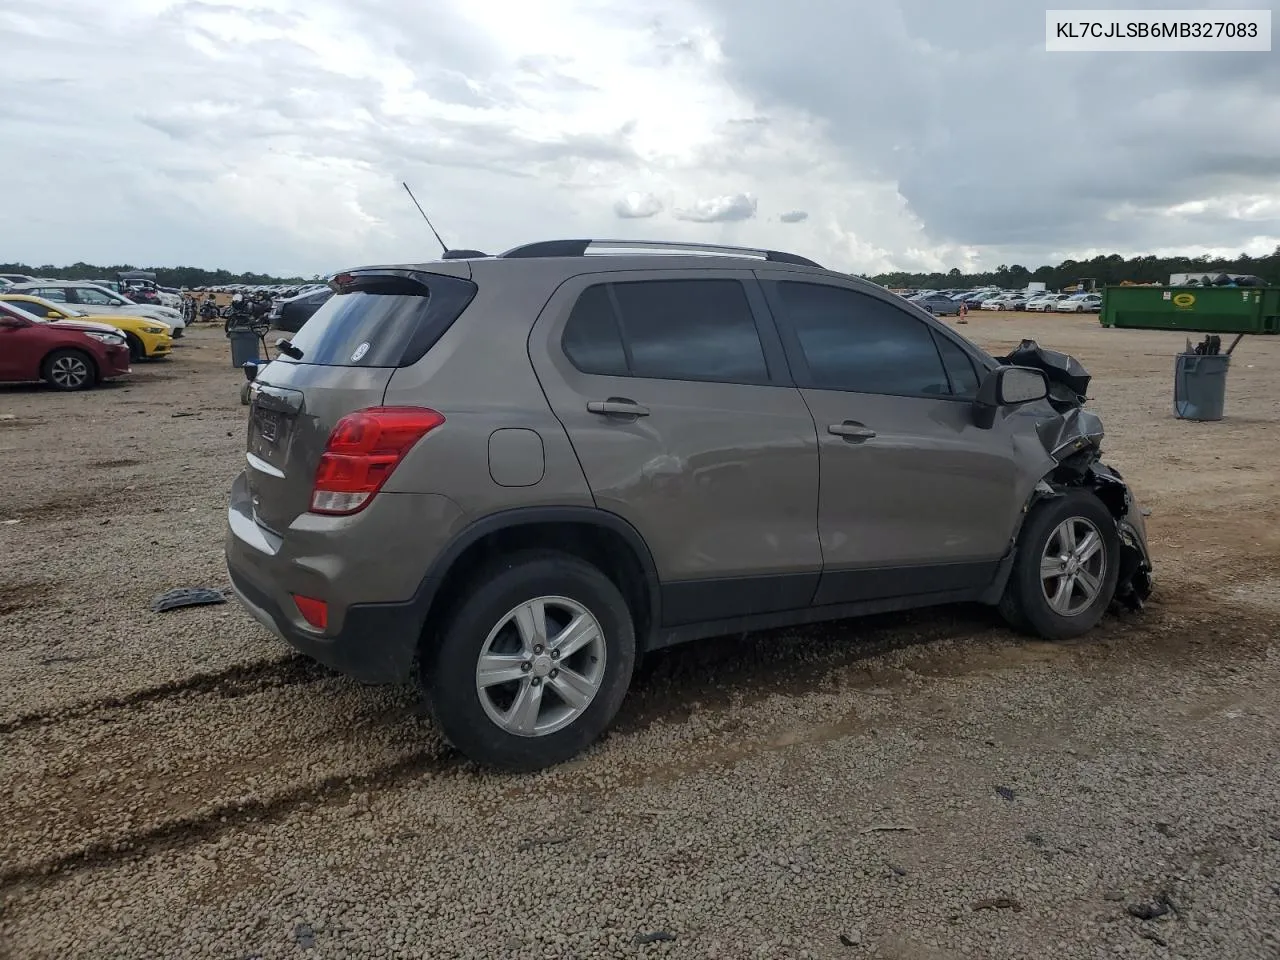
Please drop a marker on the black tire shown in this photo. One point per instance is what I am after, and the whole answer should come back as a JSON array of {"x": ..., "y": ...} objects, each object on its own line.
[
  {"x": 450, "y": 660},
  {"x": 137, "y": 353},
  {"x": 58, "y": 367},
  {"x": 1025, "y": 605}
]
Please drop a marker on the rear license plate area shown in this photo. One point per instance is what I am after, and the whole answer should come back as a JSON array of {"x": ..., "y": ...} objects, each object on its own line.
[{"x": 268, "y": 424}]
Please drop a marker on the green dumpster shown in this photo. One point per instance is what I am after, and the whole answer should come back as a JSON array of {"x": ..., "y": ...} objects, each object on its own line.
[{"x": 1240, "y": 310}]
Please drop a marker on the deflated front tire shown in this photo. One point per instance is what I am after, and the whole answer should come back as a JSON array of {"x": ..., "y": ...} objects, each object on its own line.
[{"x": 1067, "y": 566}]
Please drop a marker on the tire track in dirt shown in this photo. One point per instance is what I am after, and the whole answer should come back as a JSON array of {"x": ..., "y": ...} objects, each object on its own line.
[
  {"x": 209, "y": 824},
  {"x": 374, "y": 741},
  {"x": 237, "y": 681},
  {"x": 102, "y": 795}
]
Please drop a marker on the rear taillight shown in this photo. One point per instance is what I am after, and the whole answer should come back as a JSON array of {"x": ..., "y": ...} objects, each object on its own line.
[{"x": 363, "y": 450}]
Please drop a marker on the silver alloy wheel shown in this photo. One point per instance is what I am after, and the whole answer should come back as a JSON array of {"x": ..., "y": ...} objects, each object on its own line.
[
  {"x": 541, "y": 666},
  {"x": 70, "y": 372},
  {"x": 1073, "y": 566}
]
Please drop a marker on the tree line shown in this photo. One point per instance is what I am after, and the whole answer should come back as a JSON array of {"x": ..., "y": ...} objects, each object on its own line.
[
  {"x": 165, "y": 276},
  {"x": 1111, "y": 269}
]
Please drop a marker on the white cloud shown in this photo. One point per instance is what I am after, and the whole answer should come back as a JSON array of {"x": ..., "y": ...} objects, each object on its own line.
[
  {"x": 274, "y": 134},
  {"x": 726, "y": 209},
  {"x": 638, "y": 206}
]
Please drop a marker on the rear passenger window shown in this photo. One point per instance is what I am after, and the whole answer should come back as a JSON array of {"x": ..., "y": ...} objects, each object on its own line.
[
  {"x": 591, "y": 338},
  {"x": 964, "y": 378},
  {"x": 856, "y": 342},
  {"x": 691, "y": 330}
]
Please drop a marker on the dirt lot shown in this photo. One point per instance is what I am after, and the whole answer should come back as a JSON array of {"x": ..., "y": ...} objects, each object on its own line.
[{"x": 915, "y": 787}]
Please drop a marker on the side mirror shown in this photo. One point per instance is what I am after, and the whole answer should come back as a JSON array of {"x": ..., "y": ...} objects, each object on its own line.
[
  {"x": 52, "y": 315},
  {"x": 250, "y": 368},
  {"x": 1007, "y": 387}
]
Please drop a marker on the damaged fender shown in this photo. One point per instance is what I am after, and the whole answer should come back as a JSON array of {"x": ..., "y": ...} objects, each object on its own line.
[{"x": 1073, "y": 439}]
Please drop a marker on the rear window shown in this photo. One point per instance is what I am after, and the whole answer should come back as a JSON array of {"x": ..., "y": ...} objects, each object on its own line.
[
  {"x": 382, "y": 321},
  {"x": 696, "y": 329}
]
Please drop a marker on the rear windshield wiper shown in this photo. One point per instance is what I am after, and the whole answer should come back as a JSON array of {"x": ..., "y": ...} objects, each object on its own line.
[{"x": 288, "y": 349}]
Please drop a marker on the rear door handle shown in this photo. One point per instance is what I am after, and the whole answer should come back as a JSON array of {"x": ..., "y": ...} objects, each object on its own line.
[
  {"x": 851, "y": 430},
  {"x": 617, "y": 407}
]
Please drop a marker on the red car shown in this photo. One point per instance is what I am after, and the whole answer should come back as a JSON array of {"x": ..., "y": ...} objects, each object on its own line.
[{"x": 67, "y": 354}]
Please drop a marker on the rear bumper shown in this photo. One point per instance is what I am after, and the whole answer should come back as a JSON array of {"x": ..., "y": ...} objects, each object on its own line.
[
  {"x": 368, "y": 568},
  {"x": 377, "y": 642}
]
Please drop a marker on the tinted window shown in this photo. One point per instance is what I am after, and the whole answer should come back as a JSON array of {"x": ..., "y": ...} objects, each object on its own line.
[
  {"x": 591, "y": 338},
  {"x": 691, "y": 330},
  {"x": 56, "y": 294},
  {"x": 384, "y": 322},
  {"x": 852, "y": 341},
  {"x": 964, "y": 378}
]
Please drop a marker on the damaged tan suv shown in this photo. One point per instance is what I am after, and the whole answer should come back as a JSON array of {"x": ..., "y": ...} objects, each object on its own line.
[{"x": 505, "y": 477}]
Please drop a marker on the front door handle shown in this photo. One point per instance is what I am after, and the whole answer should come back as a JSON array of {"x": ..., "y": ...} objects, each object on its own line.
[
  {"x": 851, "y": 430},
  {"x": 617, "y": 407}
]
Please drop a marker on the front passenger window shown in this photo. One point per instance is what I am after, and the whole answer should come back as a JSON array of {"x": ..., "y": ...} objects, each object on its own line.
[
  {"x": 856, "y": 342},
  {"x": 964, "y": 378}
]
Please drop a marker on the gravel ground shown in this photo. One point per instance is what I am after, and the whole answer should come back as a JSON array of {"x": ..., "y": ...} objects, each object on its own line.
[{"x": 916, "y": 787}]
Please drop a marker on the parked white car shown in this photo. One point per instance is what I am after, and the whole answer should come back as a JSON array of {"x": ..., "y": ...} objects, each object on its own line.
[
  {"x": 1004, "y": 301},
  {"x": 1044, "y": 302},
  {"x": 169, "y": 298},
  {"x": 1079, "y": 303},
  {"x": 93, "y": 299}
]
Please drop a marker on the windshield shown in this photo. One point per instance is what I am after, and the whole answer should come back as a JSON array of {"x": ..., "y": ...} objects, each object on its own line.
[
  {"x": 22, "y": 314},
  {"x": 63, "y": 308},
  {"x": 37, "y": 307},
  {"x": 99, "y": 294}
]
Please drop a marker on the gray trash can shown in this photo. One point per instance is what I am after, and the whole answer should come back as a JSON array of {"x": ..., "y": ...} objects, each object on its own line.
[
  {"x": 244, "y": 347},
  {"x": 1200, "y": 386}
]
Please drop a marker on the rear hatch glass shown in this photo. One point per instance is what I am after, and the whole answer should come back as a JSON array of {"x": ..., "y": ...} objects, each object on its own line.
[{"x": 381, "y": 320}]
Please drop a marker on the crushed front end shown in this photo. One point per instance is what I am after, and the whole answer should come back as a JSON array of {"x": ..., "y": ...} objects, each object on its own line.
[{"x": 1074, "y": 440}]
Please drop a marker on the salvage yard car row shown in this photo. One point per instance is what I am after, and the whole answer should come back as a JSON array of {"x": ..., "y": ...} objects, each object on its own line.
[
  {"x": 76, "y": 335},
  {"x": 947, "y": 303}
]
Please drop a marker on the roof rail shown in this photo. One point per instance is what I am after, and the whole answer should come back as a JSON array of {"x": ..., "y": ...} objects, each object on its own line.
[{"x": 586, "y": 248}]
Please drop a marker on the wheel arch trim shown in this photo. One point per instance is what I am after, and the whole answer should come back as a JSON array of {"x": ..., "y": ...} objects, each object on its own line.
[{"x": 535, "y": 516}]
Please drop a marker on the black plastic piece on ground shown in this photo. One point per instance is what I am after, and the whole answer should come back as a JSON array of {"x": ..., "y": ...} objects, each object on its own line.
[
  {"x": 657, "y": 936},
  {"x": 186, "y": 597}
]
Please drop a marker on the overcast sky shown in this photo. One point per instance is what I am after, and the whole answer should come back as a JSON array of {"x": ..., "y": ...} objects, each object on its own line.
[{"x": 273, "y": 135}]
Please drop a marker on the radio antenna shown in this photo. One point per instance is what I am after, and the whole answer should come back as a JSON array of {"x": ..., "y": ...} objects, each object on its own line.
[{"x": 424, "y": 215}]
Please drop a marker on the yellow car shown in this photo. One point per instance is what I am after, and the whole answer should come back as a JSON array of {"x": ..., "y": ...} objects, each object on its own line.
[{"x": 148, "y": 339}]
